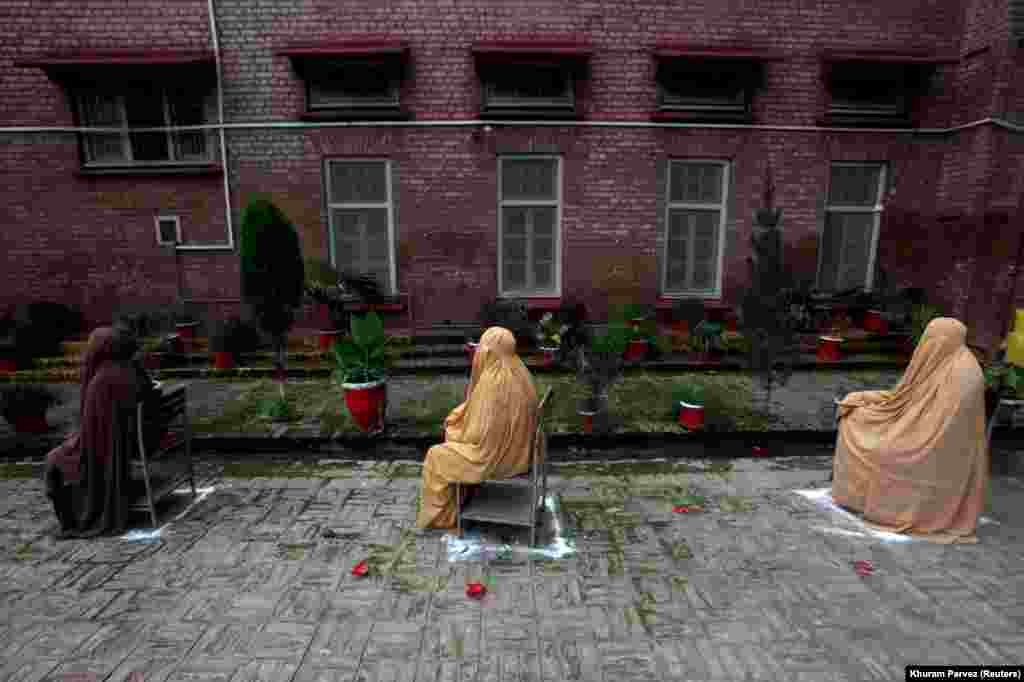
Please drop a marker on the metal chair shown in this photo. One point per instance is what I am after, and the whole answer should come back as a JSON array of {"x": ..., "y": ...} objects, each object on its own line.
[
  {"x": 172, "y": 408},
  {"x": 512, "y": 501}
]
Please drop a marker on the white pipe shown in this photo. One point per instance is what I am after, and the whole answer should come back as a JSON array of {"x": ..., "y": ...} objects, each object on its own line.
[
  {"x": 230, "y": 246},
  {"x": 470, "y": 123}
]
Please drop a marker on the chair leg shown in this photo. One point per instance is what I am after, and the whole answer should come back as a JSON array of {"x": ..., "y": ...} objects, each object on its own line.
[
  {"x": 458, "y": 508},
  {"x": 149, "y": 489}
]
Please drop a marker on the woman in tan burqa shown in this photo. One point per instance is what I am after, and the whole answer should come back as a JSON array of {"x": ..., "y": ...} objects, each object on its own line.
[
  {"x": 487, "y": 436},
  {"x": 914, "y": 459}
]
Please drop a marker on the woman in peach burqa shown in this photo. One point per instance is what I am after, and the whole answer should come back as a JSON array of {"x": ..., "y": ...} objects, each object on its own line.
[
  {"x": 914, "y": 459},
  {"x": 87, "y": 475},
  {"x": 486, "y": 437}
]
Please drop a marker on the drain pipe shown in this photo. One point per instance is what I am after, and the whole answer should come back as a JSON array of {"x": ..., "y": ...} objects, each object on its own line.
[{"x": 230, "y": 246}]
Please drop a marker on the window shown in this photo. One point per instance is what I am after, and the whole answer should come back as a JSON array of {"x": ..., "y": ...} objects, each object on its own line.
[
  {"x": 869, "y": 91},
  {"x": 353, "y": 84},
  {"x": 168, "y": 230},
  {"x": 142, "y": 106},
  {"x": 706, "y": 87},
  {"x": 361, "y": 218},
  {"x": 850, "y": 237},
  {"x": 529, "y": 213},
  {"x": 530, "y": 86},
  {"x": 692, "y": 263}
]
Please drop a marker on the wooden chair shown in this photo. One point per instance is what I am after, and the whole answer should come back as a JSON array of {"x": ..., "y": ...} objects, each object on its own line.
[
  {"x": 513, "y": 501},
  {"x": 162, "y": 469}
]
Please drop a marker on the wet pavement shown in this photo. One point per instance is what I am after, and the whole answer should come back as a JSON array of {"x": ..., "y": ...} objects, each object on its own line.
[{"x": 756, "y": 580}]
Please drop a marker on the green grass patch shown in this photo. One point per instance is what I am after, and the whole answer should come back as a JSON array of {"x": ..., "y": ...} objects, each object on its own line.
[
  {"x": 17, "y": 471},
  {"x": 734, "y": 504},
  {"x": 281, "y": 470},
  {"x": 23, "y": 552}
]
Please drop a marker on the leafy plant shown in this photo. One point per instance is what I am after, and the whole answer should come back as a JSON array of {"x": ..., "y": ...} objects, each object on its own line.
[
  {"x": 550, "y": 331},
  {"x": 690, "y": 393},
  {"x": 920, "y": 316},
  {"x": 279, "y": 409},
  {"x": 273, "y": 275},
  {"x": 599, "y": 364},
  {"x": 707, "y": 336},
  {"x": 364, "y": 357},
  {"x": 19, "y": 399},
  {"x": 734, "y": 342},
  {"x": 1008, "y": 379},
  {"x": 510, "y": 314}
]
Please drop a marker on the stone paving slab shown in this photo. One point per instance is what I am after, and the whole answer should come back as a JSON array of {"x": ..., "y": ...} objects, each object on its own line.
[{"x": 758, "y": 586}]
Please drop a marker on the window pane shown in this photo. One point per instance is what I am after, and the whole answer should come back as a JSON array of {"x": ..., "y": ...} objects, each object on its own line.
[
  {"x": 705, "y": 245},
  {"x": 675, "y": 279},
  {"x": 358, "y": 181},
  {"x": 703, "y": 275},
  {"x": 543, "y": 275},
  {"x": 533, "y": 83},
  {"x": 528, "y": 179},
  {"x": 702, "y": 88},
  {"x": 144, "y": 108},
  {"x": 381, "y": 273},
  {"x": 678, "y": 248},
  {"x": 515, "y": 221},
  {"x": 544, "y": 221},
  {"x": 514, "y": 275},
  {"x": 831, "y": 242},
  {"x": 187, "y": 109},
  {"x": 514, "y": 248},
  {"x": 855, "y": 250},
  {"x": 854, "y": 185},
  {"x": 696, "y": 182},
  {"x": 544, "y": 248},
  {"x": 353, "y": 83},
  {"x": 102, "y": 110}
]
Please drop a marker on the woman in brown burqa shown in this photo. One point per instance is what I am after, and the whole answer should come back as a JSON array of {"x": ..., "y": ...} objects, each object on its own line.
[
  {"x": 487, "y": 436},
  {"x": 87, "y": 475},
  {"x": 914, "y": 459}
]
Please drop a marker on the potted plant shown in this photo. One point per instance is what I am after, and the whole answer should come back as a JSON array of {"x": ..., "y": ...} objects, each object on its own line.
[
  {"x": 689, "y": 400},
  {"x": 362, "y": 362},
  {"x": 25, "y": 406},
  {"x": 224, "y": 343},
  {"x": 549, "y": 336},
  {"x": 598, "y": 366},
  {"x": 587, "y": 410},
  {"x": 829, "y": 346},
  {"x": 706, "y": 340},
  {"x": 638, "y": 317},
  {"x": 185, "y": 324}
]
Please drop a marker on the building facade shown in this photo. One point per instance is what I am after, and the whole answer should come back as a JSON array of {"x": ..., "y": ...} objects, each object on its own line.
[{"x": 529, "y": 149}]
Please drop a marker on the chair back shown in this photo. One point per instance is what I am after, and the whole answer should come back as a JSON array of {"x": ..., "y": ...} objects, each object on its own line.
[
  {"x": 539, "y": 446},
  {"x": 172, "y": 406}
]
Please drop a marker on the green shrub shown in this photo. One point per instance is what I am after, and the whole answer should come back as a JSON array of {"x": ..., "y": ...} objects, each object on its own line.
[
  {"x": 690, "y": 393},
  {"x": 36, "y": 330},
  {"x": 272, "y": 271}
]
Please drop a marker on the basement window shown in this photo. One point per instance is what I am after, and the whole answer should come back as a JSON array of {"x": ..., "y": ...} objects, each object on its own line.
[
  {"x": 168, "y": 230},
  {"x": 530, "y": 80}
]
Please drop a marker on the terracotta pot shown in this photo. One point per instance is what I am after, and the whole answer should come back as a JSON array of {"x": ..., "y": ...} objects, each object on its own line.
[
  {"x": 691, "y": 416},
  {"x": 588, "y": 421},
  {"x": 223, "y": 359},
  {"x": 327, "y": 339},
  {"x": 151, "y": 360},
  {"x": 829, "y": 348},
  {"x": 680, "y": 327},
  {"x": 8, "y": 365},
  {"x": 367, "y": 403},
  {"x": 872, "y": 321},
  {"x": 636, "y": 350},
  {"x": 33, "y": 422},
  {"x": 731, "y": 323},
  {"x": 549, "y": 354}
]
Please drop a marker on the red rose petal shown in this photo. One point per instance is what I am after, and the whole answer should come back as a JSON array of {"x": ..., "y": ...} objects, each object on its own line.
[
  {"x": 360, "y": 569},
  {"x": 475, "y": 590}
]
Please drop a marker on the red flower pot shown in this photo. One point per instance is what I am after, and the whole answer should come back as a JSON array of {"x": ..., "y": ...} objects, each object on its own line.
[
  {"x": 8, "y": 365},
  {"x": 872, "y": 321},
  {"x": 186, "y": 330},
  {"x": 549, "y": 355},
  {"x": 327, "y": 339},
  {"x": 367, "y": 403},
  {"x": 828, "y": 348},
  {"x": 588, "y": 421},
  {"x": 731, "y": 323},
  {"x": 476, "y": 590},
  {"x": 223, "y": 359},
  {"x": 636, "y": 350},
  {"x": 31, "y": 423},
  {"x": 691, "y": 416}
]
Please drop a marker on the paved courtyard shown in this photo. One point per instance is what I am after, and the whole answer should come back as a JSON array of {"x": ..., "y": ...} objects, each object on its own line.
[{"x": 758, "y": 584}]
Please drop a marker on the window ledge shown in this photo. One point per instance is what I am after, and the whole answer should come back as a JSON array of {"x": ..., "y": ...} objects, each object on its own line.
[
  {"x": 377, "y": 307},
  {"x": 866, "y": 121},
  {"x": 702, "y": 116},
  {"x": 528, "y": 113},
  {"x": 211, "y": 169},
  {"x": 357, "y": 115},
  {"x": 545, "y": 304}
]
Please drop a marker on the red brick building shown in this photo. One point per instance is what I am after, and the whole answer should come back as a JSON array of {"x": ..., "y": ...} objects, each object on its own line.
[{"x": 526, "y": 148}]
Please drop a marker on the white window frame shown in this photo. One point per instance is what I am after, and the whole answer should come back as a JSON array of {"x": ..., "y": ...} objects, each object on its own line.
[
  {"x": 876, "y": 210},
  {"x": 722, "y": 221},
  {"x": 177, "y": 230},
  {"x": 388, "y": 204},
  {"x": 126, "y": 144},
  {"x": 556, "y": 203}
]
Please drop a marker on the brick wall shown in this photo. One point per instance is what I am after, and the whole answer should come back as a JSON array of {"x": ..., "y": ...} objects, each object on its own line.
[{"x": 90, "y": 240}]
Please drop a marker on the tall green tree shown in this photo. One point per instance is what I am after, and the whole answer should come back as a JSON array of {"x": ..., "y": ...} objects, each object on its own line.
[
  {"x": 273, "y": 275},
  {"x": 767, "y": 321}
]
